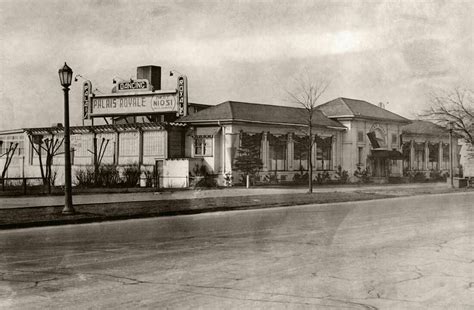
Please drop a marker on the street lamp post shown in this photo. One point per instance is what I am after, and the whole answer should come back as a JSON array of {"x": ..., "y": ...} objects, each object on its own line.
[
  {"x": 65, "y": 77},
  {"x": 451, "y": 169}
]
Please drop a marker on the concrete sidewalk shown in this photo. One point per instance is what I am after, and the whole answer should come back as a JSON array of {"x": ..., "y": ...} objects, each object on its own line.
[{"x": 43, "y": 201}]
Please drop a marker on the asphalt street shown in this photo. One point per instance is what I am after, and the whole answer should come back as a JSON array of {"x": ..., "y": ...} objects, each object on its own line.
[{"x": 404, "y": 253}]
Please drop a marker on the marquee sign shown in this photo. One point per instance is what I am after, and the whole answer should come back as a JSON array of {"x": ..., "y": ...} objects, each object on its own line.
[
  {"x": 133, "y": 85},
  {"x": 141, "y": 104},
  {"x": 86, "y": 99}
]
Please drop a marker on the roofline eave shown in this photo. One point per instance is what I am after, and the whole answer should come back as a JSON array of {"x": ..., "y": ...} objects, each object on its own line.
[
  {"x": 352, "y": 117},
  {"x": 342, "y": 128}
]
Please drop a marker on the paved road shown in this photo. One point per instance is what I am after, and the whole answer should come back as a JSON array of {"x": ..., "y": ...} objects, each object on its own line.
[
  {"x": 405, "y": 253},
  {"x": 39, "y": 201}
]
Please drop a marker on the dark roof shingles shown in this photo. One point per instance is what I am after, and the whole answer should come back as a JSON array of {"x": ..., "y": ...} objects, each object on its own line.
[
  {"x": 340, "y": 107},
  {"x": 419, "y": 127},
  {"x": 253, "y": 112}
]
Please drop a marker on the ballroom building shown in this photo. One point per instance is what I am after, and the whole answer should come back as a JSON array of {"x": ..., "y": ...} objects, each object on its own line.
[{"x": 164, "y": 134}]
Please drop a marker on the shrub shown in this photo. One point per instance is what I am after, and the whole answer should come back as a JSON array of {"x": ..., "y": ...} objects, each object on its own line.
[
  {"x": 436, "y": 175},
  {"x": 301, "y": 178},
  {"x": 342, "y": 175},
  {"x": 207, "y": 181},
  {"x": 323, "y": 178},
  {"x": 270, "y": 179},
  {"x": 362, "y": 175},
  {"x": 149, "y": 176},
  {"x": 108, "y": 176},
  {"x": 85, "y": 177},
  {"x": 131, "y": 175},
  {"x": 228, "y": 179},
  {"x": 202, "y": 177},
  {"x": 417, "y": 176}
]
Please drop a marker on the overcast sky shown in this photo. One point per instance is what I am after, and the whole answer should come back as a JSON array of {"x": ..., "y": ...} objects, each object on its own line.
[{"x": 390, "y": 51}]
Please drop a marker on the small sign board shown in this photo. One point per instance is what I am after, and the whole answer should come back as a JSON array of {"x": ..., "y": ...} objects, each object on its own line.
[{"x": 133, "y": 85}]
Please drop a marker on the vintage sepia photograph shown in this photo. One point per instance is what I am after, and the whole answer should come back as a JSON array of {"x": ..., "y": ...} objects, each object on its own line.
[{"x": 237, "y": 154}]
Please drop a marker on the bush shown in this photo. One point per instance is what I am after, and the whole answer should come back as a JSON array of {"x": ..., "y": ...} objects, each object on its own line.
[
  {"x": 207, "y": 181},
  {"x": 108, "y": 176},
  {"x": 228, "y": 179},
  {"x": 131, "y": 175},
  {"x": 362, "y": 175},
  {"x": 85, "y": 177},
  {"x": 436, "y": 175},
  {"x": 323, "y": 178},
  {"x": 202, "y": 177},
  {"x": 150, "y": 177},
  {"x": 301, "y": 178},
  {"x": 415, "y": 176},
  {"x": 270, "y": 179},
  {"x": 341, "y": 175}
]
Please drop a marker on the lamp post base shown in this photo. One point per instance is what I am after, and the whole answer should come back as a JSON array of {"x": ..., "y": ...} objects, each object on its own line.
[{"x": 67, "y": 210}]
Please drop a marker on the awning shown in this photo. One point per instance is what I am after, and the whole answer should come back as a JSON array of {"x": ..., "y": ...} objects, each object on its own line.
[
  {"x": 387, "y": 154},
  {"x": 205, "y": 131},
  {"x": 373, "y": 140}
]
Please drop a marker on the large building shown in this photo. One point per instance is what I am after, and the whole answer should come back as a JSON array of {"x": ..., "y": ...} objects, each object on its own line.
[{"x": 163, "y": 134}]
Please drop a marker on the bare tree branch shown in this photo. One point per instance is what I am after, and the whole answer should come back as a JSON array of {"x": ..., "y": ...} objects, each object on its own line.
[
  {"x": 306, "y": 94},
  {"x": 456, "y": 107}
]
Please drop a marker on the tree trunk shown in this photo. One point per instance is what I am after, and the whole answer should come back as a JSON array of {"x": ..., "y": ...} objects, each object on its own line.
[
  {"x": 96, "y": 162},
  {"x": 310, "y": 157},
  {"x": 48, "y": 172}
]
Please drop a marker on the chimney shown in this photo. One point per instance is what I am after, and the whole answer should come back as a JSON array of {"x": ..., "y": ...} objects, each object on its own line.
[
  {"x": 152, "y": 74},
  {"x": 381, "y": 105}
]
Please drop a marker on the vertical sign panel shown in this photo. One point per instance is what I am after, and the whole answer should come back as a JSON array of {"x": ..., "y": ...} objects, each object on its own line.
[
  {"x": 182, "y": 96},
  {"x": 86, "y": 92}
]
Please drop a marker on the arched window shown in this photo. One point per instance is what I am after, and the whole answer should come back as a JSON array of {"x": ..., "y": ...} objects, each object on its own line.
[{"x": 380, "y": 136}]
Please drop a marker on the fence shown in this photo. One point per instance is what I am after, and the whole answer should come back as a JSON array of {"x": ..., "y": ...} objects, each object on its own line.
[{"x": 23, "y": 185}]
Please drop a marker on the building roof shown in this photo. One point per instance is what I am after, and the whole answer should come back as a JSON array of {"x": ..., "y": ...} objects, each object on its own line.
[
  {"x": 259, "y": 113},
  {"x": 419, "y": 127},
  {"x": 353, "y": 108}
]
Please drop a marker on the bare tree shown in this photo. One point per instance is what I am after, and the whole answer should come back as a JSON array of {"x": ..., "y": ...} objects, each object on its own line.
[
  {"x": 306, "y": 94},
  {"x": 51, "y": 148},
  {"x": 9, "y": 152},
  {"x": 98, "y": 156},
  {"x": 456, "y": 107}
]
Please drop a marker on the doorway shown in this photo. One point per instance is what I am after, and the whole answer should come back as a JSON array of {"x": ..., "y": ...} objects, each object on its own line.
[{"x": 158, "y": 173}]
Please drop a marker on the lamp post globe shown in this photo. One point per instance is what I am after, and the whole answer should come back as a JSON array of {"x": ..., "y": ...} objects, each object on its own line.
[
  {"x": 65, "y": 78},
  {"x": 65, "y": 75}
]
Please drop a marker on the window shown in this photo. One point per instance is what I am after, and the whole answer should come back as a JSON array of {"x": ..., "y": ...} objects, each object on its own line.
[
  {"x": 445, "y": 164},
  {"x": 360, "y": 154},
  {"x": 12, "y": 140},
  {"x": 394, "y": 138},
  {"x": 406, "y": 151},
  {"x": 323, "y": 153},
  {"x": 419, "y": 156},
  {"x": 360, "y": 136},
  {"x": 433, "y": 156},
  {"x": 203, "y": 146},
  {"x": 277, "y": 152},
  {"x": 380, "y": 136},
  {"x": 128, "y": 144},
  {"x": 154, "y": 143},
  {"x": 300, "y": 152}
]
